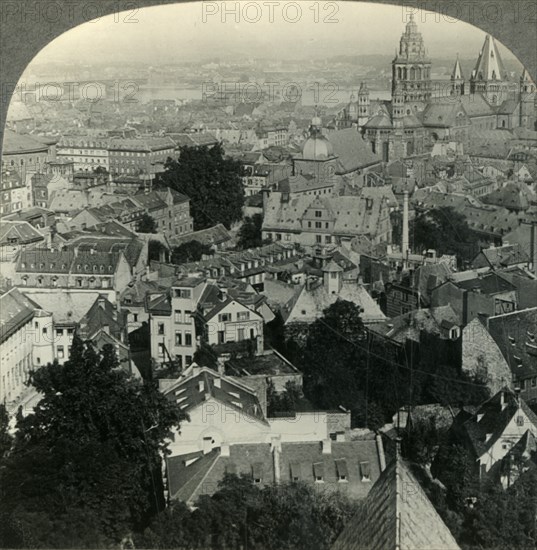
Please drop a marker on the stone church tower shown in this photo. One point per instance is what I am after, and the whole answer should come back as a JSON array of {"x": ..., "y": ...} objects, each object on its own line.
[
  {"x": 411, "y": 68},
  {"x": 489, "y": 76},
  {"x": 457, "y": 79}
]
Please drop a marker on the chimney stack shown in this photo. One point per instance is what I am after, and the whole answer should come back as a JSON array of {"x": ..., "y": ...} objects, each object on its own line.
[
  {"x": 405, "y": 238},
  {"x": 327, "y": 446},
  {"x": 533, "y": 246},
  {"x": 207, "y": 445},
  {"x": 276, "y": 446}
]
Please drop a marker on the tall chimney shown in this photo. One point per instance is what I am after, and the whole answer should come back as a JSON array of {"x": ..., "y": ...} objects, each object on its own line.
[
  {"x": 533, "y": 241},
  {"x": 276, "y": 445},
  {"x": 405, "y": 239}
]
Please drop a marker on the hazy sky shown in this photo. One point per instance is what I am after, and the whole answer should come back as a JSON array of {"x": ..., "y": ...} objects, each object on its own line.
[{"x": 184, "y": 32}]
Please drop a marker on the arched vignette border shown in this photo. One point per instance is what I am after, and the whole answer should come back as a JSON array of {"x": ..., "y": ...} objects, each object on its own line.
[{"x": 27, "y": 26}]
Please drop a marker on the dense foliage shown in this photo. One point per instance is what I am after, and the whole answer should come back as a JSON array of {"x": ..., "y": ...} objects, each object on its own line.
[
  {"x": 446, "y": 231},
  {"x": 286, "y": 401},
  {"x": 84, "y": 467},
  {"x": 146, "y": 224},
  {"x": 240, "y": 515},
  {"x": 250, "y": 235},
  {"x": 211, "y": 181},
  {"x": 191, "y": 251},
  {"x": 343, "y": 364}
]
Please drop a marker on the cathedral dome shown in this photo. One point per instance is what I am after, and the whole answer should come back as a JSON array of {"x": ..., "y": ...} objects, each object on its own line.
[{"x": 317, "y": 148}]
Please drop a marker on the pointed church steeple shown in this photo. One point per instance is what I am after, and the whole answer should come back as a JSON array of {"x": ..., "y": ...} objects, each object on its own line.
[
  {"x": 489, "y": 75},
  {"x": 457, "y": 79},
  {"x": 526, "y": 83}
]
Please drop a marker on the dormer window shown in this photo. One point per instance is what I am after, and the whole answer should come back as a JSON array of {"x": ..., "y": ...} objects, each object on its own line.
[
  {"x": 365, "y": 471},
  {"x": 341, "y": 469},
  {"x": 318, "y": 472},
  {"x": 257, "y": 472}
]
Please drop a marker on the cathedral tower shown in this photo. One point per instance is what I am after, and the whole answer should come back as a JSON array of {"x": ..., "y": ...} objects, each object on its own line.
[
  {"x": 363, "y": 104},
  {"x": 489, "y": 76},
  {"x": 411, "y": 69},
  {"x": 457, "y": 79},
  {"x": 528, "y": 101}
]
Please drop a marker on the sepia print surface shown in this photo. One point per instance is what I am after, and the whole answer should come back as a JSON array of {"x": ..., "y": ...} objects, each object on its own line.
[{"x": 268, "y": 277}]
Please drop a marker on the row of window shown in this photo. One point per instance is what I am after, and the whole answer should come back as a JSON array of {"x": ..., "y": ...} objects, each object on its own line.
[
  {"x": 92, "y": 282},
  {"x": 228, "y": 317},
  {"x": 315, "y": 472},
  {"x": 178, "y": 316}
]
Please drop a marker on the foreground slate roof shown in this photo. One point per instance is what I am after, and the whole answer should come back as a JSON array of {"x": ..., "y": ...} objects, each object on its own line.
[
  {"x": 396, "y": 515},
  {"x": 194, "y": 474}
]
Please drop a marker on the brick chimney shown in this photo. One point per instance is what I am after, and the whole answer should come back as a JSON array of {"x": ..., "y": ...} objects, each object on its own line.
[
  {"x": 327, "y": 446},
  {"x": 276, "y": 447}
]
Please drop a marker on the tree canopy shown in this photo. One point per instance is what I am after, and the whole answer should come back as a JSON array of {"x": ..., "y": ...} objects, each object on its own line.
[
  {"x": 84, "y": 468},
  {"x": 240, "y": 515},
  {"x": 211, "y": 180},
  {"x": 444, "y": 230},
  {"x": 146, "y": 224},
  {"x": 191, "y": 251},
  {"x": 250, "y": 235}
]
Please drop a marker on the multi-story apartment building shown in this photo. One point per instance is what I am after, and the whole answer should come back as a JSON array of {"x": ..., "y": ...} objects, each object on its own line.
[
  {"x": 145, "y": 156},
  {"x": 86, "y": 152},
  {"x": 24, "y": 153},
  {"x": 228, "y": 314},
  {"x": 271, "y": 137},
  {"x": 26, "y": 341},
  {"x": 14, "y": 195},
  {"x": 84, "y": 270},
  {"x": 169, "y": 209},
  {"x": 172, "y": 321},
  {"x": 312, "y": 221}
]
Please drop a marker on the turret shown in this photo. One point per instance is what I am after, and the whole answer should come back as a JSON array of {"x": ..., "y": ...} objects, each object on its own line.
[
  {"x": 398, "y": 107},
  {"x": 363, "y": 104},
  {"x": 457, "y": 79},
  {"x": 332, "y": 277}
]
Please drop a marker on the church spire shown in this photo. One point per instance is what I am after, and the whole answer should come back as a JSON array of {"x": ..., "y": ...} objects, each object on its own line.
[
  {"x": 457, "y": 79},
  {"x": 489, "y": 74}
]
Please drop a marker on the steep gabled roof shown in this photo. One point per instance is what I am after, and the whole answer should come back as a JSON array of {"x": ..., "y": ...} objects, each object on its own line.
[
  {"x": 516, "y": 335},
  {"x": 353, "y": 151},
  {"x": 396, "y": 515},
  {"x": 492, "y": 418},
  {"x": 489, "y": 64},
  {"x": 15, "y": 232},
  {"x": 197, "y": 386}
]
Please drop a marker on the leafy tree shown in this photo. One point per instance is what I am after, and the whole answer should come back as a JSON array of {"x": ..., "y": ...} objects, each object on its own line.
[
  {"x": 286, "y": 401},
  {"x": 84, "y": 469},
  {"x": 205, "y": 356},
  {"x": 456, "y": 469},
  {"x": 239, "y": 515},
  {"x": 5, "y": 437},
  {"x": 155, "y": 249},
  {"x": 192, "y": 251},
  {"x": 211, "y": 181},
  {"x": 503, "y": 518},
  {"x": 446, "y": 231},
  {"x": 146, "y": 224},
  {"x": 333, "y": 362},
  {"x": 250, "y": 235}
]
